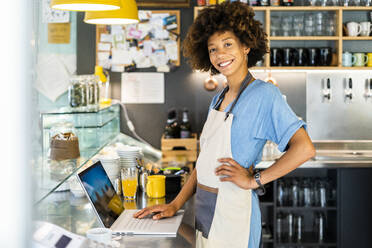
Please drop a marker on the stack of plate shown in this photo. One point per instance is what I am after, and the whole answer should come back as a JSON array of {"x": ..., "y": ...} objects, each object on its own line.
[
  {"x": 128, "y": 155},
  {"x": 111, "y": 165}
]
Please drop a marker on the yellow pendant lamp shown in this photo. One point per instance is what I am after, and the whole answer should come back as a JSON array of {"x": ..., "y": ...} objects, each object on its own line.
[
  {"x": 127, "y": 14},
  {"x": 85, "y": 5}
]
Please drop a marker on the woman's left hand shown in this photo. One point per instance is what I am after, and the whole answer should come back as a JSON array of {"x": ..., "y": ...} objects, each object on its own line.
[{"x": 235, "y": 173}]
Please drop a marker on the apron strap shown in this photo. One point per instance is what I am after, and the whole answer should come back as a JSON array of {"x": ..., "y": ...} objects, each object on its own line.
[{"x": 243, "y": 85}]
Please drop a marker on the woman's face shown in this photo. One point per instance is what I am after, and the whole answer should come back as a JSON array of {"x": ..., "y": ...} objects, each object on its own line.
[{"x": 227, "y": 54}]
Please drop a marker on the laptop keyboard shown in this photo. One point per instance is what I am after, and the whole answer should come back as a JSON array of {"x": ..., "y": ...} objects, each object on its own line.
[{"x": 130, "y": 223}]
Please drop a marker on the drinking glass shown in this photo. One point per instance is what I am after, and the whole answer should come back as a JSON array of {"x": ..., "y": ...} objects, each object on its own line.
[
  {"x": 129, "y": 182},
  {"x": 309, "y": 25},
  {"x": 319, "y": 226},
  {"x": 281, "y": 193},
  {"x": 287, "y": 25},
  {"x": 275, "y": 26},
  {"x": 294, "y": 196},
  {"x": 299, "y": 227},
  {"x": 298, "y": 25},
  {"x": 290, "y": 226},
  {"x": 279, "y": 227}
]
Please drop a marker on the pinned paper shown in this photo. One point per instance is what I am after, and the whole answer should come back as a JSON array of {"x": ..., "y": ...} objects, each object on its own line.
[
  {"x": 53, "y": 73},
  {"x": 147, "y": 47},
  {"x": 144, "y": 15},
  {"x": 106, "y": 38},
  {"x": 104, "y": 46},
  {"x": 142, "y": 87},
  {"x": 171, "y": 49},
  {"x": 117, "y": 68},
  {"x": 103, "y": 55},
  {"x": 54, "y": 16},
  {"x": 120, "y": 57},
  {"x": 59, "y": 33},
  {"x": 171, "y": 22},
  {"x": 116, "y": 29}
]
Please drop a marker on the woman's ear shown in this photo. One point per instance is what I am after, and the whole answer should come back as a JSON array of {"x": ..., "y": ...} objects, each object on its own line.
[{"x": 247, "y": 50}]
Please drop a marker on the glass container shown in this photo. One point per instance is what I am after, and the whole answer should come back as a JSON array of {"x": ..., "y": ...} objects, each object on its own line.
[
  {"x": 63, "y": 150},
  {"x": 92, "y": 92},
  {"x": 77, "y": 93}
]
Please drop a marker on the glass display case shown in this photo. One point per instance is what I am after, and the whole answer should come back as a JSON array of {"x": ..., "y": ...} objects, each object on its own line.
[
  {"x": 67, "y": 206},
  {"x": 94, "y": 131}
]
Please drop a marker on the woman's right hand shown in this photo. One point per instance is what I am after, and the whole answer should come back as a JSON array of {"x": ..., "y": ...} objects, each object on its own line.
[{"x": 159, "y": 211}]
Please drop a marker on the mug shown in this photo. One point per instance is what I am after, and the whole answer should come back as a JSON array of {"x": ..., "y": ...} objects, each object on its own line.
[
  {"x": 155, "y": 187},
  {"x": 287, "y": 57},
  {"x": 348, "y": 59},
  {"x": 354, "y": 28},
  {"x": 325, "y": 56},
  {"x": 301, "y": 57},
  {"x": 313, "y": 57},
  {"x": 365, "y": 28},
  {"x": 276, "y": 56},
  {"x": 360, "y": 59},
  {"x": 101, "y": 235},
  {"x": 369, "y": 55}
]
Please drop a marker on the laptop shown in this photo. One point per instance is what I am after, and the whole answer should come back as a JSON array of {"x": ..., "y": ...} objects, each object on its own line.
[{"x": 110, "y": 211}]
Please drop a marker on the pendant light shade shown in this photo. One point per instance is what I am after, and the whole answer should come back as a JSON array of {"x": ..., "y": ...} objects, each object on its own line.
[
  {"x": 127, "y": 14},
  {"x": 85, "y": 5}
]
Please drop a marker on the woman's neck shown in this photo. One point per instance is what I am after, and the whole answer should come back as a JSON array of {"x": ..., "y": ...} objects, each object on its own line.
[{"x": 234, "y": 82}]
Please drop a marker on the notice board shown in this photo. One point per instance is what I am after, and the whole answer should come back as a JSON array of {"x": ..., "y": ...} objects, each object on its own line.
[{"x": 152, "y": 43}]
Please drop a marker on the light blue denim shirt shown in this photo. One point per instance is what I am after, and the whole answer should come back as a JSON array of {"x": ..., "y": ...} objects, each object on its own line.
[{"x": 260, "y": 114}]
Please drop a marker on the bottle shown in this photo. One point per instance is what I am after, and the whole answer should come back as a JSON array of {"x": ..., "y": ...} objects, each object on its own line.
[
  {"x": 287, "y": 2},
  {"x": 263, "y": 2},
  {"x": 185, "y": 127},
  {"x": 172, "y": 129}
]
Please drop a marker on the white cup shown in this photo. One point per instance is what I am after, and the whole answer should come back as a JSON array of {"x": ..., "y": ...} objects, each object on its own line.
[
  {"x": 354, "y": 28},
  {"x": 348, "y": 59},
  {"x": 365, "y": 28},
  {"x": 101, "y": 235}
]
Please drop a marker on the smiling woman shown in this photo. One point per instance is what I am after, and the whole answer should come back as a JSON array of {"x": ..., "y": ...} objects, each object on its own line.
[
  {"x": 238, "y": 19},
  {"x": 226, "y": 39}
]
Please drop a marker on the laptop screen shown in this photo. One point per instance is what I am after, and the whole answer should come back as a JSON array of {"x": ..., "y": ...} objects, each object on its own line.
[{"x": 101, "y": 193}]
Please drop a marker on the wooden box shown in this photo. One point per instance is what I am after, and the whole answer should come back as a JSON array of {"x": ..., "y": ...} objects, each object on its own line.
[{"x": 173, "y": 148}]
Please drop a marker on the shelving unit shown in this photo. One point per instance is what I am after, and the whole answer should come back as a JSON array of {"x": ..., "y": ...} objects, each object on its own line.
[
  {"x": 270, "y": 210},
  {"x": 338, "y": 38}
]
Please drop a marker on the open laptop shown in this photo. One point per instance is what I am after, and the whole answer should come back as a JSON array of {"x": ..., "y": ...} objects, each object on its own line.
[{"x": 110, "y": 209}]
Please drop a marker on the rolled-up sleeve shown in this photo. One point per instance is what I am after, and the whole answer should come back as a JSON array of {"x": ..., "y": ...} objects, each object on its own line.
[{"x": 280, "y": 123}]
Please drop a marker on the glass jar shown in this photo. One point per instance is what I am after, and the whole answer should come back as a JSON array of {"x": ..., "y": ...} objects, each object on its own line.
[
  {"x": 77, "y": 93},
  {"x": 63, "y": 150},
  {"x": 92, "y": 92}
]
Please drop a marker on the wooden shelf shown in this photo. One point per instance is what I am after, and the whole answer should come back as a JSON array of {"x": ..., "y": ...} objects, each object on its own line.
[
  {"x": 307, "y": 208},
  {"x": 338, "y": 38},
  {"x": 309, "y": 8},
  {"x": 357, "y": 38},
  {"x": 303, "y": 37}
]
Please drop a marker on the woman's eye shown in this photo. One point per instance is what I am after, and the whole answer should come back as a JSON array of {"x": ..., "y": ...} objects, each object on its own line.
[
  {"x": 212, "y": 50},
  {"x": 228, "y": 44}
]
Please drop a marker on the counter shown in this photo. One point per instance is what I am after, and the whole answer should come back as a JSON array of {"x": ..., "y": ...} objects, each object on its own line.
[
  {"x": 185, "y": 235},
  {"x": 77, "y": 215}
]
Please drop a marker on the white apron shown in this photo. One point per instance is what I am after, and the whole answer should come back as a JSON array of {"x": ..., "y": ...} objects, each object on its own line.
[{"x": 230, "y": 223}]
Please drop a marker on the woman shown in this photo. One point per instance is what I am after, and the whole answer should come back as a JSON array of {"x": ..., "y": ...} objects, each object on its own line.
[{"x": 226, "y": 39}]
